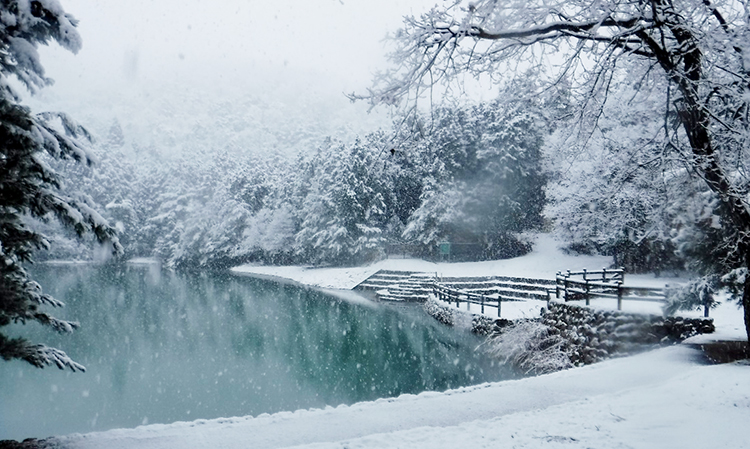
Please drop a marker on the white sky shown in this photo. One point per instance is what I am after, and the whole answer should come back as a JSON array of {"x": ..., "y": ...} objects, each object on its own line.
[
  {"x": 141, "y": 58},
  {"x": 188, "y": 39}
]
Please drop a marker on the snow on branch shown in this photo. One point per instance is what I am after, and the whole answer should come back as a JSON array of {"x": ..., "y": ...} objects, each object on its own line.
[{"x": 38, "y": 355}]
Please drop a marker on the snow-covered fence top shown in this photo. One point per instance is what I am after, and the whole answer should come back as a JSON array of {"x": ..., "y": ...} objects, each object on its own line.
[
  {"x": 604, "y": 275},
  {"x": 491, "y": 291},
  {"x": 487, "y": 291},
  {"x": 605, "y": 283},
  {"x": 451, "y": 295}
]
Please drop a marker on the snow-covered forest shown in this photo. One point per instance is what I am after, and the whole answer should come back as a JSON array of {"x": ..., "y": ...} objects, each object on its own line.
[
  {"x": 206, "y": 163},
  {"x": 210, "y": 137},
  {"x": 472, "y": 175},
  {"x": 635, "y": 150},
  {"x": 259, "y": 179}
]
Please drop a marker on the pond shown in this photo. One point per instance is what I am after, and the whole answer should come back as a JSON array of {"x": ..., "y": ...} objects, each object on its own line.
[{"x": 161, "y": 347}]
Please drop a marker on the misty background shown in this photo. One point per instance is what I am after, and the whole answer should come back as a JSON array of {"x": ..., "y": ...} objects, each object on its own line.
[{"x": 158, "y": 67}]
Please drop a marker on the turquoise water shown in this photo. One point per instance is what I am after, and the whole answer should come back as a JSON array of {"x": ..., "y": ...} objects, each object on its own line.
[{"x": 161, "y": 347}]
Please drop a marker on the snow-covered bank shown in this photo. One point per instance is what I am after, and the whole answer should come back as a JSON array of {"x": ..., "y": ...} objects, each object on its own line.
[
  {"x": 542, "y": 262},
  {"x": 663, "y": 398},
  {"x": 658, "y": 399}
]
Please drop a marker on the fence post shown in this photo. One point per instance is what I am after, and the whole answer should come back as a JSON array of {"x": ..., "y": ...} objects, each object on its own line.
[
  {"x": 619, "y": 296},
  {"x": 705, "y": 310},
  {"x": 482, "y": 303},
  {"x": 499, "y": 303},
  {"x": 604, "y": 275},
  {"x": 566, "y": 289},
  {"x": 622, "y": 274},
  {"x": 588, "y": 287},
  {"x": 584, "y": 274}
]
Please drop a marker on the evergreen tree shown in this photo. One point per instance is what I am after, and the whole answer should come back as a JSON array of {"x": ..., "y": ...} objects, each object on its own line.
[
  {"x": 29, "y": 187},
  {"x": 344, "y": 211},
  {"x": 483, "y": 180}
]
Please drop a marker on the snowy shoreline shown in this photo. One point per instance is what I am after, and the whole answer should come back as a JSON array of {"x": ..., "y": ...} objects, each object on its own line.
[
  {"x": 543, "y": 262},
  {"x": 662, "y": 398}
]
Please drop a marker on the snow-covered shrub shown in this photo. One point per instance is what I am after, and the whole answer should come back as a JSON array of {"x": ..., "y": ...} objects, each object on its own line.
[
  {"x": 696, "y": 294},
  {"x": 438, "y": 310},
  {"x": 570, "y": 335},
  {"x": 484, "y": 325},
  {"x": 531, "y": 347}
]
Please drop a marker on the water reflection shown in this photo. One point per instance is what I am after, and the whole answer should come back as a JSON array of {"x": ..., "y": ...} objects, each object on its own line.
[{"x": 162, "y": 347}]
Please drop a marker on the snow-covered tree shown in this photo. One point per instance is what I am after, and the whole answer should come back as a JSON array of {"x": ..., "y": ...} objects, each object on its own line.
[
  {"x": 29, "y": 187},
  {"x": 693, "y": 51},
  {"x": 610, "y": 188},
  {"x": 482, "y": 178},
  {"x": 344, "y": 212}
]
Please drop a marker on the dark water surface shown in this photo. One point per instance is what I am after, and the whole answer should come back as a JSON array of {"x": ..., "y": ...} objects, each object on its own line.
[{"x": 161, "y": 347}]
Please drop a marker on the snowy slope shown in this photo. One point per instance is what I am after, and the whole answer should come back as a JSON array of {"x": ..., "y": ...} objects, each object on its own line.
[{"x": 657, "y": 399}]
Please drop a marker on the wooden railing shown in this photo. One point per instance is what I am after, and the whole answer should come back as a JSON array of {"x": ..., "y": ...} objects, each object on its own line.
[
  {"x": 450, "y": 296},
  {"x": 605, "y": 283},
  {"x": 569, "y": 286}
]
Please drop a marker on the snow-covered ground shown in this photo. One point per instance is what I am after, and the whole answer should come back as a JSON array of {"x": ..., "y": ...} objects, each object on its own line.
[
  {"x": 661, "y": 399},
  {"x": 543, "y": 262}
]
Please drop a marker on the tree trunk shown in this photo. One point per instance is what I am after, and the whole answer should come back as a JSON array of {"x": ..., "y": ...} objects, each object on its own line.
[
  {"x": 746, "y": 299},
  {"x": 696, "y": 122}
]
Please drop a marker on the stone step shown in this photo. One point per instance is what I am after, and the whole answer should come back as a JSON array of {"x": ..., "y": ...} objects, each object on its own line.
[{"x": 404, "y": 285}]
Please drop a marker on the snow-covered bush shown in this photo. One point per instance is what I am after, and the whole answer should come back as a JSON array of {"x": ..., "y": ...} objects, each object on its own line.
[
  {"x": 531, "y": 347},
  {"x": 696, "y": 294},
  {"x": 439, "y": 311},
  {"x": 569, "y": 335}
]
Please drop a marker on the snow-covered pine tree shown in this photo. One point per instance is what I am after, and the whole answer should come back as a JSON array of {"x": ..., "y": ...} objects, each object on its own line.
[
  {"x": 344, "y": 212},
  {"x": 482, "y": 179},
  {"x": 29, "y": 187}
]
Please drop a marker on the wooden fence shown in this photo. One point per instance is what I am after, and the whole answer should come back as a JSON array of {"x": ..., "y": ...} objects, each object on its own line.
[
  {"x": 603, "y": 283},
  {"x": 451, "y": 295},
  {"x": 586, "y": 285},
  {"x": 569, "y": 286}
]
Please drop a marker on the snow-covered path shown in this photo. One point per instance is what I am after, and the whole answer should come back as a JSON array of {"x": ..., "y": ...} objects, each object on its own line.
[{"x": 657, "y": 399}]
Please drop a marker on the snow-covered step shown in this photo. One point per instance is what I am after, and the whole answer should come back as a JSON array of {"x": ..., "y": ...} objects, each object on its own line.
[{"x": 415, "y": 286}]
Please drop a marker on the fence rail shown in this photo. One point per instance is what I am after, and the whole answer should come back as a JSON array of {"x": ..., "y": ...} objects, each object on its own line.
[
  {"x": 451, "y": 295},
  {"x": 493, "y": 291},
  {"x": 604, "y": 284}
]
